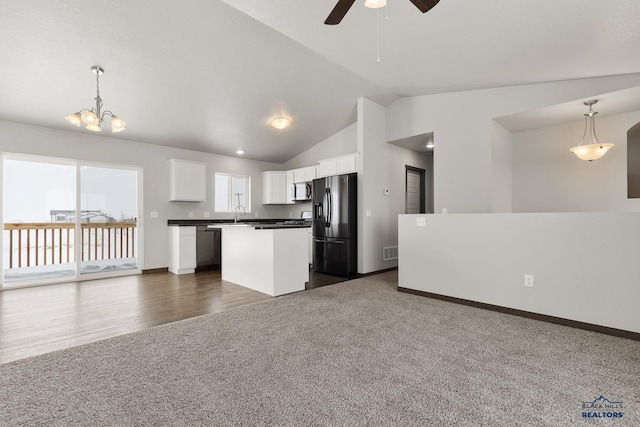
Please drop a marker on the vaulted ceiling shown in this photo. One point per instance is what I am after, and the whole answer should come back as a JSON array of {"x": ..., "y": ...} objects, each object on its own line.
[{"x": 208, "y": 75}]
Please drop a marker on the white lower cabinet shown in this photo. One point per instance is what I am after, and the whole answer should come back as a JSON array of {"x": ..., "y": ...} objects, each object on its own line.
[{"x": 182, "y": 244}]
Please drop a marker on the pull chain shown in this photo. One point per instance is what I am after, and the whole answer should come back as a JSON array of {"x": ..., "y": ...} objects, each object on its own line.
[{"x": 378, "y": 33}]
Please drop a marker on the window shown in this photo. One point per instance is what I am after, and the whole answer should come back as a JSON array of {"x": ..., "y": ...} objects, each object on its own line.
[{"x": 232, "y": 191}]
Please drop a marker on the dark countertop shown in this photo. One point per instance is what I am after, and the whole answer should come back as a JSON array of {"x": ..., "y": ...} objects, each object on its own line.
[
  {"x": 193, "y": 222},
  {"x": 263, "y": 226},
  {"x": 257, "y": 223}
]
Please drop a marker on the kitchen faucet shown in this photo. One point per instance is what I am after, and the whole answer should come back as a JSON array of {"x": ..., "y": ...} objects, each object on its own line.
[{"x": 238, "y": 208}]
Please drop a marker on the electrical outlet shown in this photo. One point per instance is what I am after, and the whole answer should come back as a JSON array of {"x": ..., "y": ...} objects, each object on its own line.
[
  {"x": 154, "y": 214},
  {"x": 444, "y": 210},
  {"x": 290, "y": 214},
  {"x": 528, "y": 280},
  {"x": 206, "y": 214},
  {"x": 256, "y": 214},
  {"x": 367, "y": 212},
  {"x": 190, "y": 214},
  {"x": 421, "y": 221}
]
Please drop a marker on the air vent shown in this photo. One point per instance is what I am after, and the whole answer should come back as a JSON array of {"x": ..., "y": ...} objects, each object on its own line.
[{"x": 389, "y": 253}]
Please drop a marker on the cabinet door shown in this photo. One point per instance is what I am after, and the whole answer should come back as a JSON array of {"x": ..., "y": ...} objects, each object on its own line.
[
  {"x": 310, "y": 173},
  {"x": 188, "y": 250},
  {"x": 328, "y": 167},
  {"x": 289, "y": 187},
  {"x": 188, "y": 181},
  {"x": 274, "y": 188},
  {"x": 298, "y": 175},
  {"x": 346, "y": 164}
]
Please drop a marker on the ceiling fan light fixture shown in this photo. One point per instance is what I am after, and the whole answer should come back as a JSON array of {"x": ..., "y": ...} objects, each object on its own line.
[
  {"x": 280, "y": 122},
  {"x": 590, "y": 148},
  {"x": 94, "y": 128},
  {"x": 375, "y": 4}
]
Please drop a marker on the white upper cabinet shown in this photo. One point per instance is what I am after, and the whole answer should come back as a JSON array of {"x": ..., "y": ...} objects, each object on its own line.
[
  {"x": 188, "y": 181},
  {"x": 338, "y": 165},
  {"x": 310, "y": 173},
  {"x": 289, "y": 191},
  {"x": 275, "y": 190},
  {"x": 304, "y": 174}
]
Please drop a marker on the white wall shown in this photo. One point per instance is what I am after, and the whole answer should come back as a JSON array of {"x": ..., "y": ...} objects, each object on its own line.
[
  {"x": 381, "y": 166},
  {"x": 463, "y": 125},
  {"x": 341, "y": 143},
  {"x": 585, "y": 265},
  {"x": 502, "y": 182},
  {"x": 549, "y": 178},
  {"x": 153, "y": 159}
]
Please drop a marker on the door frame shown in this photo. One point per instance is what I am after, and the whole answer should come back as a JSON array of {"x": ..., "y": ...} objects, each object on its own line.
[
  {"x": 422, "y": 173},
  {"x": 78, "y": 163}
]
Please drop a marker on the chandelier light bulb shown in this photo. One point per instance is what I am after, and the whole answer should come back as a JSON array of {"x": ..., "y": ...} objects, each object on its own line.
[
  {"x": 94, "y": 128},
  {"x": 74, "y": 119},
  {"x": 117, "y": 124}
]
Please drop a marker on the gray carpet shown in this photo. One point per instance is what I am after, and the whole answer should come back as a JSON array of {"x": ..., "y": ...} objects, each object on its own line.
[{"x": 355, "y": 353}]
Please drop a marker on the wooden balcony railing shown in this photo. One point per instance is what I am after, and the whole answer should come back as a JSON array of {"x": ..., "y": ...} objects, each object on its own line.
[{"x": 43, "y": 243}]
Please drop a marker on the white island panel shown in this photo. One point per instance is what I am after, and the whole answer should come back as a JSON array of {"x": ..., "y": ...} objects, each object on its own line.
[{"x": 271, "y": 261}]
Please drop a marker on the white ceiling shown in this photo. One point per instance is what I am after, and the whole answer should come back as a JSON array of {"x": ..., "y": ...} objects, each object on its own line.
[{"x": 208, "y": 75}]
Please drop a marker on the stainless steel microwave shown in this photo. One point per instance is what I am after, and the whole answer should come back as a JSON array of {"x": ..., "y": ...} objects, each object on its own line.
[{"x": 301, "y": 192}]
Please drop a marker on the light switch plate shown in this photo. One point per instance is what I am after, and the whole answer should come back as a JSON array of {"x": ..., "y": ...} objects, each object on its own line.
[
  {"x": 368, "y": 212},
  {"x": 421, "y": 221},
  {"x": 206, "y": 214},
  {"x": 190, "y": 214},
  {"x": 153, "y": 214}
]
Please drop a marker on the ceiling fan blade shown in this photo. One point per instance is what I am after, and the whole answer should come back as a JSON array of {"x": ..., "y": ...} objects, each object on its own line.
[
  {"x": 425, "y": 5},
  {"x": 338, "y": 12}
]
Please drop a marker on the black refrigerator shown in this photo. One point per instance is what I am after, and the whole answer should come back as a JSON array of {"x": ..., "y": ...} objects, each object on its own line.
[{"x": 335, "y": 228}]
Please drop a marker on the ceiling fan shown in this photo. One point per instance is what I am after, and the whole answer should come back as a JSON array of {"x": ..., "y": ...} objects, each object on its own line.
[{"x": 343, "y": 6}]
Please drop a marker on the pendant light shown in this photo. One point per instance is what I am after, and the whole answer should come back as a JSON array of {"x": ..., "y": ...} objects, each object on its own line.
[
  {"x": 93, "y": 118},
  {"x": 589, "y": 147}
]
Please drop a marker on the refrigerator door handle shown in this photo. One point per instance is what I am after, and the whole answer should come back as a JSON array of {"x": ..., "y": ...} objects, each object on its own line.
[
  {"x": 327, "y": 217},
  {"x": 339, "y": 242},
  {"x": 320, "y": 240}
]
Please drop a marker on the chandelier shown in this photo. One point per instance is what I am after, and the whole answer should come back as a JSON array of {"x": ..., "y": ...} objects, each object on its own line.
[
  {"x": 589, "y": 147},
  {"x": 93, "y": 118}
]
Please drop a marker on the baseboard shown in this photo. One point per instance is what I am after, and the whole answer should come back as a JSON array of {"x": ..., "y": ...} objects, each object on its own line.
[
  {"x": 528, "y": 314},
  {"x": 156, "y": 270},
  {"x": 373, "y": 273}
]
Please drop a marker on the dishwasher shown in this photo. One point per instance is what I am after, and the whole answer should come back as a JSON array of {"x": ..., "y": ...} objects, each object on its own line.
[{"x": 208, "y": 248}]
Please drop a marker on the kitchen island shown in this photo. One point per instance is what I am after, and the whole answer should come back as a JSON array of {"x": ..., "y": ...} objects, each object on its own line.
[{"x": 267, "y": 258}]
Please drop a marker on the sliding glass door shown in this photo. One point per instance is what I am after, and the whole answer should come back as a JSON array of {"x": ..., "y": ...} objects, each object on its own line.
[
  {"x": 108, "y": 220},
  {"x": 38, "y": 242},
  {"x": 63, "y": 220}
]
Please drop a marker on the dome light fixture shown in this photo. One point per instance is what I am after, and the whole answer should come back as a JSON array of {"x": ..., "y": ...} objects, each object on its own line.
[
  {"x": 280, "y": 122},
  {"x": 590, "y": 148},
  {"x": 93, "y": 118},
  {"x": 375, "y": 4}
]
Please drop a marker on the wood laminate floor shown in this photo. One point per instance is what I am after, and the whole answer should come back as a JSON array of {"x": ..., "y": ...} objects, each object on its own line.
[{"x": 37, "y": 320}]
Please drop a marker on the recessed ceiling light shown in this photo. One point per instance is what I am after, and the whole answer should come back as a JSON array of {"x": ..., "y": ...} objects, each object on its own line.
[
  {"x": 240, "y": 152},
  {"x": 280, "y": 122}
]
